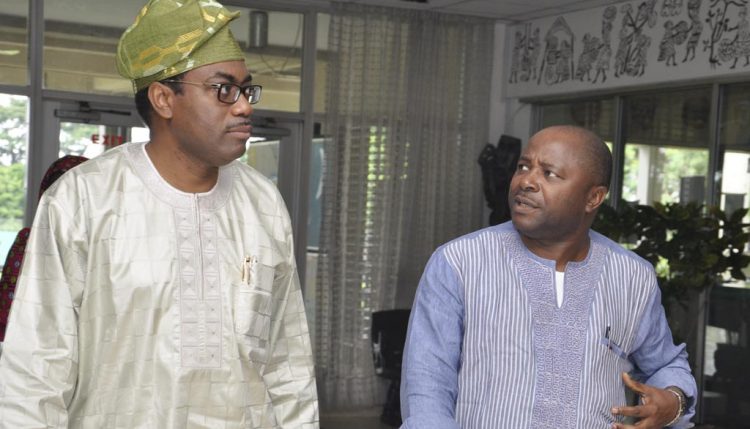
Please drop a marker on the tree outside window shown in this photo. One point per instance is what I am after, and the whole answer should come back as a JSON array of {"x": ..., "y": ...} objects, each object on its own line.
[{"x": 14, "y": 128}]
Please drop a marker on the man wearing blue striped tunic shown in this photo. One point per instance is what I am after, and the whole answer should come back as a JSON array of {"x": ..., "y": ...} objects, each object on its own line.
[{"x": 536, "y": 323}]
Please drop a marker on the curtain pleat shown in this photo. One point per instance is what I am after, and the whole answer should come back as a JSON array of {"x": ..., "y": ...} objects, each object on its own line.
[{"x": 406, "y": 116}]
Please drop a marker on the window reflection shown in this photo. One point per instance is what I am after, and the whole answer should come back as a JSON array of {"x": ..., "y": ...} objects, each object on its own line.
[
  {"x": 13, "y": 43},
  {"x": 666, "y": 149},
  {"x": 80, "y": 41},
  {"x": 594, "y": 115},
  {"x": 735, "y": 143}
]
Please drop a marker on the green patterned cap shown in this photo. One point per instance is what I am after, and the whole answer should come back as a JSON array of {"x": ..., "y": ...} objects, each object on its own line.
[{"x": 170, "y": 37}]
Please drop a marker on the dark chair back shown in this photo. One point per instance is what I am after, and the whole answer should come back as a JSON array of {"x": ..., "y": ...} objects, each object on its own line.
[{"x": 388, "y": 337}]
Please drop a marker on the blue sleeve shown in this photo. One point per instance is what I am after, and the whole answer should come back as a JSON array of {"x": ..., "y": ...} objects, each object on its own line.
[
  {"x": 432, "y": 355},
  {"x": 662, "y": 362}
]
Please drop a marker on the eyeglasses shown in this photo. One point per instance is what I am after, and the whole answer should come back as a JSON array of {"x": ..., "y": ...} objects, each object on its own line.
[{"x": 229, "y": 93}]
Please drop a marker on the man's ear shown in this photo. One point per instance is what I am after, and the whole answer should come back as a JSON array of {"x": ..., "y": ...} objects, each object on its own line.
[
  {"x": 595, "y": 198},
  {"x": 162, "y": 98}
]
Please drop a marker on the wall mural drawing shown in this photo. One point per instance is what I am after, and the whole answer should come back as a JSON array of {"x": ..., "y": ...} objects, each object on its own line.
[
  {"x": 557, "y": 61},
  {"x": 670, "y": 8},
  {"x": 525, "y": 53},
  {"x": 727, "y": 43},
  {"x": 597, "y": 52},
  {"x": 634, "y": 42},
  {"x": 545, "y": 52},
  {"x": 742, "y": 38},
  {"x": 674, "y": 35},
  {"x": 696, "y": 28}
]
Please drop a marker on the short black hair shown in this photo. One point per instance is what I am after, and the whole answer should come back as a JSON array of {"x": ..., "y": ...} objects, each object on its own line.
[{"x": 143, "y": 104}]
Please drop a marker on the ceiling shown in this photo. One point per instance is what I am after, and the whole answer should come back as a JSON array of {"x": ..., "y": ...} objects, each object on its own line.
[{"x": 503, "y": 10}]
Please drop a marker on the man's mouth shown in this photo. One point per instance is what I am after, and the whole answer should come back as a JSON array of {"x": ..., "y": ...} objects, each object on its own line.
[
  {"x": 241, "y": 128},
  {"x": 523, "y": 202},
  {"x": 244, "y": 128}
]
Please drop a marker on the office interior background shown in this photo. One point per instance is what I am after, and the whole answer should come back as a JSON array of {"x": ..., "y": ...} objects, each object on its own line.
[{"x": 373, "y": 116}]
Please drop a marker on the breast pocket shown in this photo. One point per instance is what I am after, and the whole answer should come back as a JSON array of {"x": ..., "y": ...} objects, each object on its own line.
[
  {"x": 614, "y": 347},
  {"x": 253, "y": 303}
]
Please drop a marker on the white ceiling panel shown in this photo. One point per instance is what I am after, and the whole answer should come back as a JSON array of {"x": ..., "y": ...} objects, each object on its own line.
[
  {"x": 485, "y": 8},
  {"x": 503, "y": 10}
]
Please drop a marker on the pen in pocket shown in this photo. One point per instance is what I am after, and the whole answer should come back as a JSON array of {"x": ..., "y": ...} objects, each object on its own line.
[
  {"x": 609, "y": 340},
  {"x": 247, "y": 266}
]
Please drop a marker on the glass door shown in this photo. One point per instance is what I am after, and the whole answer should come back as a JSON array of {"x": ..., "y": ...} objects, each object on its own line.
[
  {"x": 89, "y": 130},
  {"x": 78, "y": 127}
]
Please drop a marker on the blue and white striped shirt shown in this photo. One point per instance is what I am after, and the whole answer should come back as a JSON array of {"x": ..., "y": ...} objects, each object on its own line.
[{"x": 488, "y": 347}]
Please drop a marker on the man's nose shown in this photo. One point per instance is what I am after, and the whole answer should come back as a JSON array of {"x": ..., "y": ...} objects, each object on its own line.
[
  {"x": 242, "y": 107},
  {"x": 530, "y": 181}
]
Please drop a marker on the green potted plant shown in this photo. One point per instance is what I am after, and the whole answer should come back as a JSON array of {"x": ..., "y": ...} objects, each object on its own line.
[{"x": 692, "y": 247}]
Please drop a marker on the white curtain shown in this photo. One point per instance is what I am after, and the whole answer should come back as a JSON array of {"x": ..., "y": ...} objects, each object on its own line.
[{"x": 407, "y": 116}]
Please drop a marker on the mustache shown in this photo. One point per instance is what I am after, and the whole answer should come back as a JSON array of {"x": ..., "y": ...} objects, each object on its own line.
[{"x": 242, "y": 123}]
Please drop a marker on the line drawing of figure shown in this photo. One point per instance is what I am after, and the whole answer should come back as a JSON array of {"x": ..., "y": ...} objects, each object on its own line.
[
  {"x": 532, "y": 51},
  {"x": 525, "y": 54},
  {"x": 591, "y": 47},
  {"x": 557, "y": 62},
  {"x": 597, "y": 53},
  {"x": 723, "y": 49},
  {"x": 516, "y": 58},
  {"x": 742, "y": 43},
  {"x": 696, "y": 28},
  {"x": 674, "y": 35},
  {"x": 642, "y": 44},
  {"x": 671, "y": 8},
  {"x": 565, "y": 64},
  {"x": 630, "y": 58}
]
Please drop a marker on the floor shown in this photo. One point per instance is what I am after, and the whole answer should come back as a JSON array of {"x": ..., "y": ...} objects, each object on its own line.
[
  {"x": 370, "y": 419},
  {"x": 364, "y": 419}
]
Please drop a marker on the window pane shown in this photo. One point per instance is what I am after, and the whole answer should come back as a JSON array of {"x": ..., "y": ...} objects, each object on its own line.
[
  {"x": 80, "y": 41},
  {"x": 314, "y": 217},
  {"x": 321, "y": 64},
  {"x": 273, "y": 44},
  {"x": 666, "y": 150},
  {"x": 735, "y": 117},
  {"x": 594, "y": 115},
  {"x": 263, "y": 155},
  {"x": 13, "y": 43},
  {"x": 727, "y": 349},
  {"x": 317, "y": 162},
  {"x": 735, "y": 142},
  {"x": 14, "y": 128},
  {"x": 727, "y": 353}
]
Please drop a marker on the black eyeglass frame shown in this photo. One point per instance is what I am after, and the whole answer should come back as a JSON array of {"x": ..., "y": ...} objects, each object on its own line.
[{"x": 248, "y": 90}]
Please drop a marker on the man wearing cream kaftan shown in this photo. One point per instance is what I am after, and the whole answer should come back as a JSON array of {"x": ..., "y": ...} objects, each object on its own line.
[{"x": 141, "y": 306}]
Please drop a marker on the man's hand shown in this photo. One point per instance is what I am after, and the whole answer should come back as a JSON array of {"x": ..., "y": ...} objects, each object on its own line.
[{"x": 658, "y": 406}]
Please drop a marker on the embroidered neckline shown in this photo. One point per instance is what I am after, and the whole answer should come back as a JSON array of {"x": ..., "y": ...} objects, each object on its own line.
[
  {"x": 559, "y": 332},
  {"x": 145, "y": 169}
]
